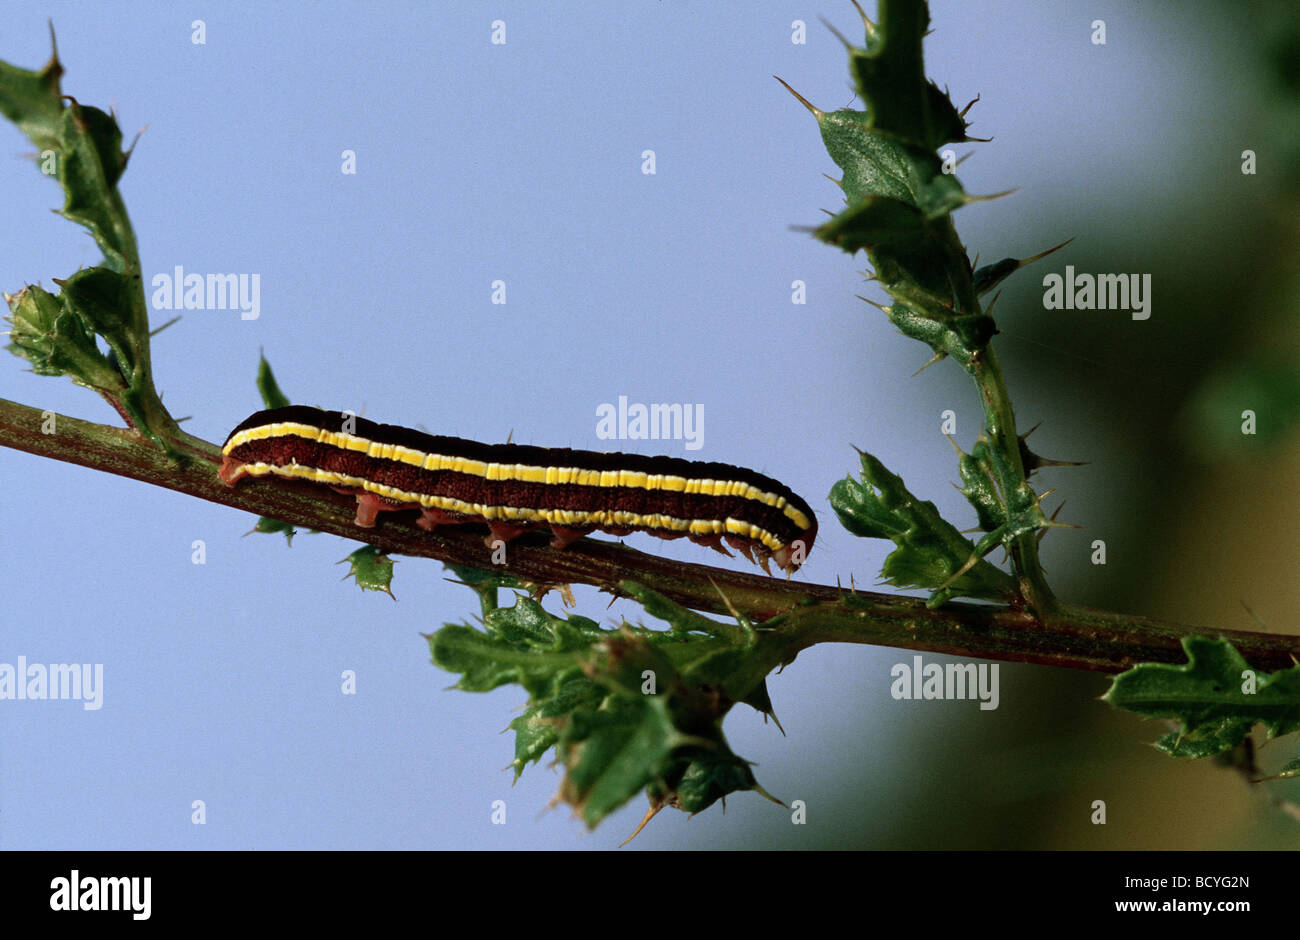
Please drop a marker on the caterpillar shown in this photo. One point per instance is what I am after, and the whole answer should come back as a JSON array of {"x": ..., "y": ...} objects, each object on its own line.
[{"x": 514, "y": 488}]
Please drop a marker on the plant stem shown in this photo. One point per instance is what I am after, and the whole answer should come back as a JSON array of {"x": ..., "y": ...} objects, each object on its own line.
[
  {"x": 1000, "y": 425},
  {"x": 796, "y": 615}
]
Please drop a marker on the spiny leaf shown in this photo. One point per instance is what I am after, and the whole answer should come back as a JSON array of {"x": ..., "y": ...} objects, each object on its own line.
[
  {"x": 876, "y": 164},
  {"x": 612, "y": 754},
  {"x": 538, "y": 728},
  {"x": 979, "y": 488},
  {"x": 1211, "y": 696},
  {"x": 706, "y": 776},
  {"x": 890, "y": 77},
  {"x": 683, "y": 619},
  {"x": 372, "y": 569},
  {"x": 521, "y": 644},
  {"x": 930, "y": 550},
  {"x": 623, "y": 708},
  {"x": 268, "y": 526},
  {"x": 104, "y": 298},
  {"x": 57, "y": 340}
]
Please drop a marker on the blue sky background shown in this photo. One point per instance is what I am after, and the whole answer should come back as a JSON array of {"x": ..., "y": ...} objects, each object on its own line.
[{"x": 521, "y": 162}]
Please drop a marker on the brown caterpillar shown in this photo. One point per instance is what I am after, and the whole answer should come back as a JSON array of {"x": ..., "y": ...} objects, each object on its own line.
[{"x": 515, "y": 487}]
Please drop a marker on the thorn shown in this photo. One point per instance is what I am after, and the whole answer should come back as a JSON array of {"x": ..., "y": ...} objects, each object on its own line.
[
  {"x": 981, "y": 140},
  {"x": 828, "y": 212},
  {"x": 933, "y": 359},
  {"x": 838, "y": 182},
  {"x": 957, "y": 448},
  {"x": 962, "y": 112},
  {"x": 836, "y": 33},
  {"x": 1254, "y": 617},
  {"x": 1045, "y": 462},
  {"x": 1032, "y": 462},
  {"x": 884, "y": 310},
  {"x": 726, "y": 600},
  {"x": 817, "y": 112},
  {"x": 962, "y": 159},
  {"x": 1062, "y": 525},
  {"x": 761, "y": 792},
  {"x": 991, "y": 196},
  {"x": 164, "y": 326},
  {"x": 988, "y": 311},
  {"x": 1036, "y": 426},
  {"x": 1044, "y": 254},
  {"x": 650, "y": 814},
  {"x": 1043, "y": 531},
  {"x": 126, "y": 157},
  {"x": 776, "y": 721},
  {"x": 869, "y": 26},
  {"x": 54, "y": 51}
]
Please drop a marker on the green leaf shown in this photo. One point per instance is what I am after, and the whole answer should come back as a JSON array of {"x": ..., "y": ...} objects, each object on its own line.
[
  {"x": 979, "y": 488},
  {"x": 613, "y": 753},
  {"x": 521, "y": 644},
  {"x": 83, "y": 145},
  {"x": 899, "y": 199},
  {"x": 91, "y": 162},
  {"x": 267, "y": 386},
  {"x": 538, "y": 729},
  {"x": 32, "y": 100},
  {"x": 1211, "y": 697},
  {"x": 877, "y": 164},
  {"x": 268, "y": 526},
  {"x": 372, "y": 569},
  {"x": 104, "y": 298},
  {"x": 591, "y": 697},
  {"x": 930, "y": 550},
  {"x": 890, "y": 77},
  {"x": 705, "y": 776},
  {"x": 57, "y": 340}
]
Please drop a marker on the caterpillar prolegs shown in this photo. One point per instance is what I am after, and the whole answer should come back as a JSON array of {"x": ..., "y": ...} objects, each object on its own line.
[{"x": 514, "y": 488}]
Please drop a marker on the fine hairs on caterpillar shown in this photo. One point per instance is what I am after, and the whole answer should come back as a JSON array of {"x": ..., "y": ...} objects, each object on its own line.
[{"x": 514, "y": 488}]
